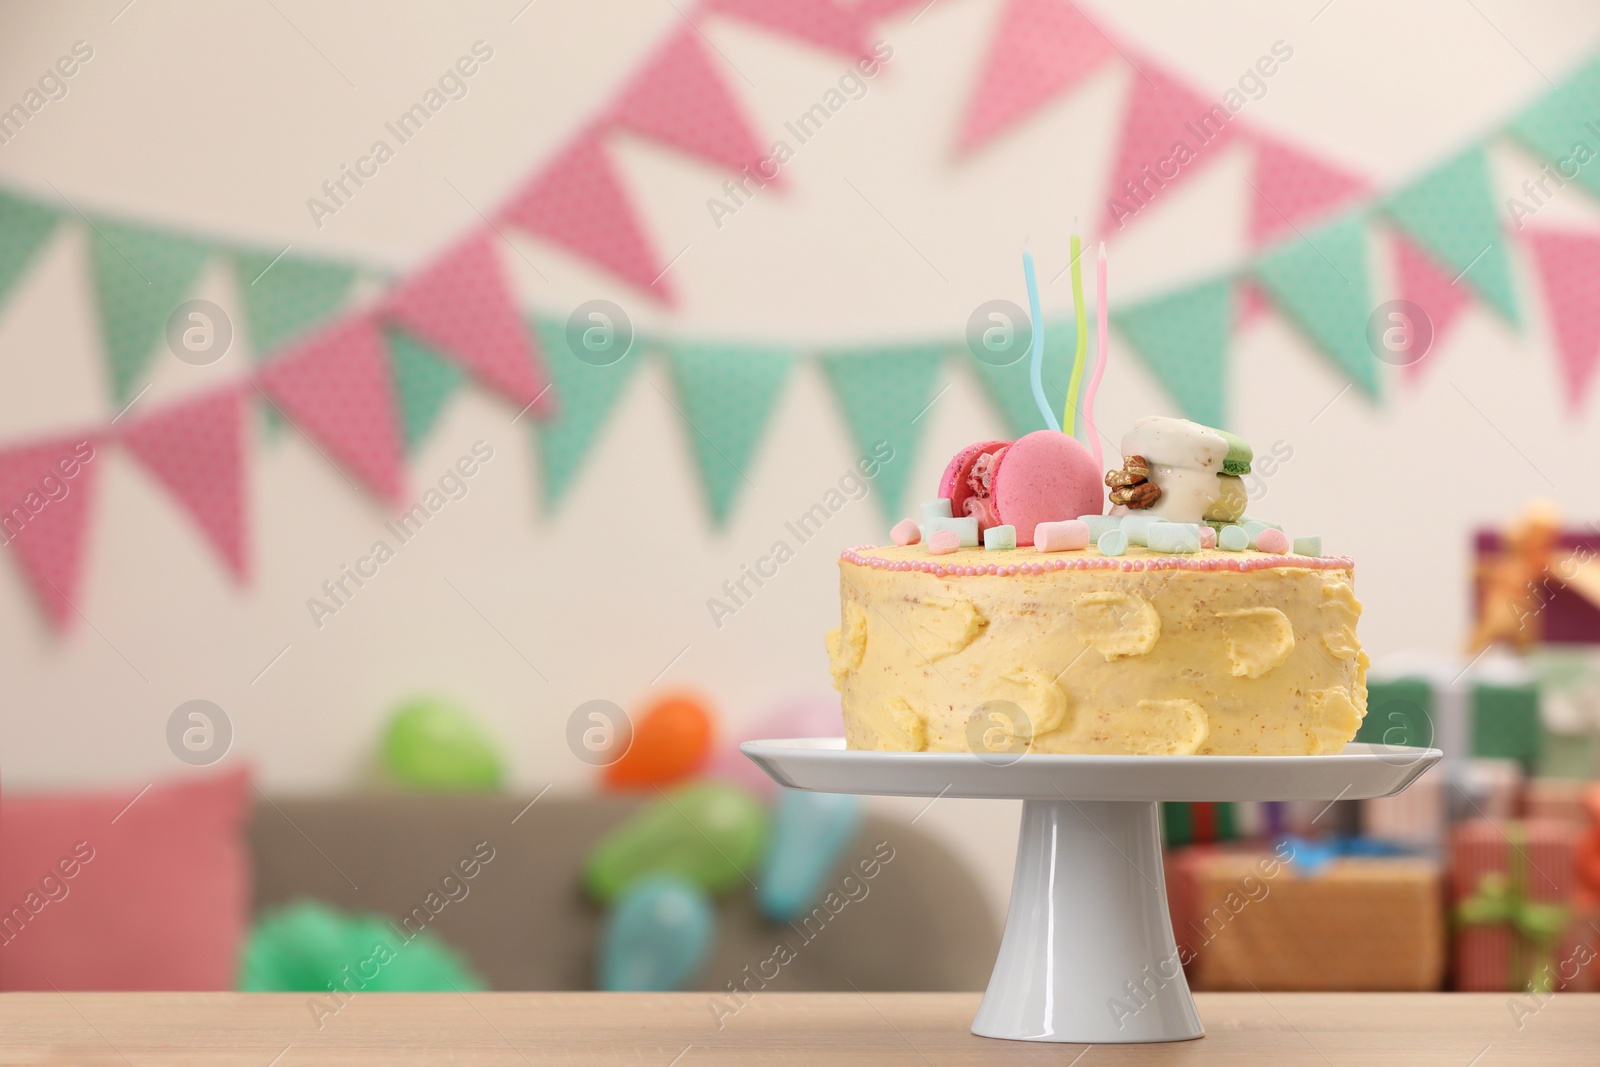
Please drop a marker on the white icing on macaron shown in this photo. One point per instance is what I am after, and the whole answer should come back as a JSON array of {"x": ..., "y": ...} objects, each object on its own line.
[{"x": 1185, "y": 459}]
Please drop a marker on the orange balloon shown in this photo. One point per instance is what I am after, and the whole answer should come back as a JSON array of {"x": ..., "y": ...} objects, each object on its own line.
[{"x": 671, "y": 741}]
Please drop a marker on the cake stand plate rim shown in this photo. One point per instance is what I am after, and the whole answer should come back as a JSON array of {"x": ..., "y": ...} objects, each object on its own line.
[{"x": 1361, "y": 771}]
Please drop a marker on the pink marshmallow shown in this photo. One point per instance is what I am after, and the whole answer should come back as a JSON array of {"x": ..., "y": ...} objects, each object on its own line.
[
  {"x": 1270, "y": 540},
  {"x": 1208, "y": 536},
  {"x": 1063, "y": 536},
  {"x": 943, "y": 542},
  {"x": 906, "y": 532}
]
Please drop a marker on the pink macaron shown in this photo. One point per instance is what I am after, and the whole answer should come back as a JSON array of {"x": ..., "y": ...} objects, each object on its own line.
[{"x": 1045, "y": 476}]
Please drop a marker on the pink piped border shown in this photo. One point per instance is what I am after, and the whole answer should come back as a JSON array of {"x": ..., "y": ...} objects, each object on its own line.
[{"x": 1097, "y": 563}]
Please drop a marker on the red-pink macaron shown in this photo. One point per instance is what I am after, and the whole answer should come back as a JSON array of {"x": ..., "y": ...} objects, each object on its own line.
[
  {"x": 1045, "y": 476},
  {"x": 956, "y": 485}
]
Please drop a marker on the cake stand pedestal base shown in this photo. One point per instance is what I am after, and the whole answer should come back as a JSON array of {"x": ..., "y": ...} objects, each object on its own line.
[{"x": 1088, "y": 953}]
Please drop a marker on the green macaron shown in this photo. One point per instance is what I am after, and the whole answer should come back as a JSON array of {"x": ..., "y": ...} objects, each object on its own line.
[{"x": 1239, "y": 455}]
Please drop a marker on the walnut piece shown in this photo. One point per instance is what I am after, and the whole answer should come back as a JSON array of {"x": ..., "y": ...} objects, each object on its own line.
[{"x": 1140, "y": 496}]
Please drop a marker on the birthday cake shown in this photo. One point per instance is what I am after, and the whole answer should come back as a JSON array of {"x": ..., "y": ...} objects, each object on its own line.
[{"x": 1019, "y": 614}]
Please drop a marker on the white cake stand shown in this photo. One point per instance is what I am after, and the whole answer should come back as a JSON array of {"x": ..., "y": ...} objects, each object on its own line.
[{"x": 1088, "y": 953}]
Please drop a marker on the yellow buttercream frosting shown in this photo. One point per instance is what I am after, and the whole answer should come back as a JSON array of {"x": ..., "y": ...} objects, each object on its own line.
[{"x": 1163, "y": 661}]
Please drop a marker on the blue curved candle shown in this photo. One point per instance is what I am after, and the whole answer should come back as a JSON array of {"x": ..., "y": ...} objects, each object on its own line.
[{"x": 1036, "y": 357}]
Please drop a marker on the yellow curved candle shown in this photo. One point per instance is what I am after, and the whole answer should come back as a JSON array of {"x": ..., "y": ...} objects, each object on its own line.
[{"x": 1069, "y": 417}]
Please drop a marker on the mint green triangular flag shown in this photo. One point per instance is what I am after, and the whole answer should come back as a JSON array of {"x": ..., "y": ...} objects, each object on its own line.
[
  {"x": 1558, "y": 123},
  {"x": 1183, "y": 338},
  {"x": 24, "y": 226},
  {"x": 1451, "y": 212},
  {"x": 585, "y": 395},
  {"x": 423, "y": 381},
  {"x": 141, "y": 276},
  {"x": 885, "y": 394},
  {"x": 1321, "y": 283},
  {"x": 1011, "y": 388},
  {"x": 728, "y": 393},
  {"x": 284, "y": 296}
]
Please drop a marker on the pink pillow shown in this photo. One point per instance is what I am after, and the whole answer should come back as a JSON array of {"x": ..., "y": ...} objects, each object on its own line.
[{"x": 100, "y": 893}]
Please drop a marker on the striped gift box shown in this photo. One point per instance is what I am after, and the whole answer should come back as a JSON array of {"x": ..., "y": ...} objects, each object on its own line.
[
  {"x": 1520, "y": 863},
  {"x": 1557, "y": 798},
  {"x": 1415, "y": 818}
]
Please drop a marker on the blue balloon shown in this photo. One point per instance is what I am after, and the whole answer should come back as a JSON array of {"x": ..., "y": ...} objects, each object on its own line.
[
  {"x": 809, "y": 834},
  {"x": 657, "y": 936}
]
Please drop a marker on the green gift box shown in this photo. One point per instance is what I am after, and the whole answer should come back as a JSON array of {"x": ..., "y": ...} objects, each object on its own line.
[
  {"x": 1399, "y": 712},
  {"x": 1505, "y": 723}
]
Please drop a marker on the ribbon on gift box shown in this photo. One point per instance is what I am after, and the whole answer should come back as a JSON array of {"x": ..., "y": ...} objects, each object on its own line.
[
  {"x": 1502, "y": 899},
  {"x": 1310, "y": 857}
]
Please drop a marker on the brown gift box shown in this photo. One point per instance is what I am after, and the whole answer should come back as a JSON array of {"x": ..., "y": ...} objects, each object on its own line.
[{"x": 1359, "y": 924}]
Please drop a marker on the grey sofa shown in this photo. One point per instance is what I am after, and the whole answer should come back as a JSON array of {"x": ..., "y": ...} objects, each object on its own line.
[{"x": 921, "y": 924}]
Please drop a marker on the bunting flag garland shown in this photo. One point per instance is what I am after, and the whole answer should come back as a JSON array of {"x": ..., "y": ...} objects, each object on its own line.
[
  {"x": 1425, "y": 284},
  {"x": 1321, "y": 283},
  {"x": 727, "y": 393},
  {"x": 1183, "y": 337},
  {"x": 681, "y": 100},
  {"x": 24, "y": 228},
  {"x": 1292, "y": 188},
  {"x": 1168, "y": 135},
  {"x": 578, "y": 202},
  {"x": 196, "y": 450},
  {"x": 588, "y": 393},
  {"x": 141, "y": 275},
  {"x": 1563, "y": 128},
  {"x": 46, "y": 494},
  {"x": 461, "y": 305},
  {"x": 1569, "y": 266},
  {"x": 423, "y": 383},
  {"x": 824, "y": 23},
  {"x": 1250, "y": 303},
  {"x": 335, "y": 386},
  {"x": 874, "y": 10},
  {"x": 367, "y": 386},
  {"x": 1041, "y": 50},
  {"x": 286, "y": 295},
  {"x": 1451, "y": 213},
  {"x": 885, "y": 394}
]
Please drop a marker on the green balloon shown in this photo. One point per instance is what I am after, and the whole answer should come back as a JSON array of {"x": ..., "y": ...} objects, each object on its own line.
[
  {"x": 433, "y": 744},
  {"x": 710, "y": 833},
  {"x": 307, "y": 946}
]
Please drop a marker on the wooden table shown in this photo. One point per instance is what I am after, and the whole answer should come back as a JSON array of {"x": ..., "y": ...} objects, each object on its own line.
[{"x": 680, "y": 1030}]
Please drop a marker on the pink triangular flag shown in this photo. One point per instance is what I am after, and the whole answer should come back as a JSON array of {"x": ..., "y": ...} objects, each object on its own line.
[
  {"x": 45, "y": 499},
  {"x": 1429, "y": 286},
  {"x": 873, "y": 10},
  {"x": 1292, "y": 187},
  {"x": 821, "y": 22},
  {"x": 578, "y": 201},
  {"x": 460, "y": 304},
  {"x": 679, "y": 98},
  {"x": 196, "y": 449},
  {"x": 1041, "y": 49},
  {"x": 336, "y": 387},
  {"x": 1168, "y": 135},
  {"x": 1569, "y": 267},
  {"x": 1250, "y": 305}
]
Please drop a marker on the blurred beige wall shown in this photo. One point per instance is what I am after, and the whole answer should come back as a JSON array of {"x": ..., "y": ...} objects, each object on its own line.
[{"x": 226, "y": 117}]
